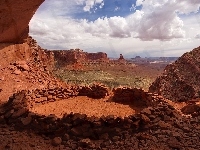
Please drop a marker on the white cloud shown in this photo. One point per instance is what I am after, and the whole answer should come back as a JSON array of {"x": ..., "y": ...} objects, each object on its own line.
[
  {"x": 197, "y": 36},
  {"x": 101, "y": 5},
  {"x": 132, "y": 8},
  {"x": 157, "y": 20},
  {"x": 158, "y": 24},
  {"x": 161, "y": 21},
  {"x": 117, "y": 8},
  {"x": 139, "y": 2},
  {"x": 113, "y": 27},
  {"x": 89, "y": 4},
  {"x": 186, "y": 7}
]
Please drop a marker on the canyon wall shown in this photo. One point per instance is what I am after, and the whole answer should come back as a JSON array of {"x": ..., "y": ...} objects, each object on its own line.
[
  {"x": 66, "y": 57},
  {"x": 14, "y": 19}
]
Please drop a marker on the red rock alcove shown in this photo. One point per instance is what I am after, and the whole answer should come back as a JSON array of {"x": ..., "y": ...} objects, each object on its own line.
[{"x": 14, "y": 19}]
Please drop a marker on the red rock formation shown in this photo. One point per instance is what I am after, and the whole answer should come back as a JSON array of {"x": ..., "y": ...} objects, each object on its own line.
[
  {"x": 24, "y": 66},
  {"x": 28, "y": 51},
  {"x": 65, "y": 57},
  {"x": 181, "y": 80},
  {"x": 14, "y": 19},
  {"x": 97, "y": 56},
  {"x": 121, "y": 57}
]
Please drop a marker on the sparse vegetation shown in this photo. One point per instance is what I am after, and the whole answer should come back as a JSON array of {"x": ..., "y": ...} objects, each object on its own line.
[{"x": 112, "y": 79}]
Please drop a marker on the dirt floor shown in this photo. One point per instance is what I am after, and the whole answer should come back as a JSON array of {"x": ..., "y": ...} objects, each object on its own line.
[
  {"x": 84, "y": 105},
  {"x": 11, "y": 139}
]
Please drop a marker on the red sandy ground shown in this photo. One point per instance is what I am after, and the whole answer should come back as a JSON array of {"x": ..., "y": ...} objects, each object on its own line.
[{"x": 84, "y": 105}]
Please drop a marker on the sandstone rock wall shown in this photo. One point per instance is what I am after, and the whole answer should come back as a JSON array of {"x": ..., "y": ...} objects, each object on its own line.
[
  {"x": 159, "y": 124},
  {"x": 66, "y": 57},
  {"x": 14, "y": 19},
  {"x": 40, "y": 55},
  {"x": 51, "y": 94},
  {"x": 136, "y": 97},
  {"x": 97, "y": 56},
  {"x": 16, "y": 111}
]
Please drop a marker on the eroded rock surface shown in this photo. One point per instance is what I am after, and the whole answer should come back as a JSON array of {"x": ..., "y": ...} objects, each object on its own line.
[
  {"x": 74, "y": 56},
  {"x": 14, "y": 19},
  {"x": 24, "y": 66},
  {"x": 180, "y": 80}
]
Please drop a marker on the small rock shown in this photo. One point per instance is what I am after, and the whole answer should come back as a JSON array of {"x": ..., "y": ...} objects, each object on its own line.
[
  {"x": 17, "y": 72},
  {"x": 104, "y": 136},
  {"x": 85, "y": 142},
  {"x": 146, "y": 111},
  {"x": 2, "y": 78},
  {"x": 25, "y": 67},
  {"x": 173, "y": 143},
  {"x": 49, "y": 97},
  {"x": 76, "y": 131},
  {"x": 163, "y": 125},
  {"x": 56, "y": 141},
  {"x": 66, "y": 137},
  {"x": 26, "y": 121},
  {"x": 191, "y": 108},
  {"x": 2, "y": 120},
  {"x": 116, "y": 138},
  {"x": 9, "y": 113},
  {"x": 145, "y": 118},
  {"x": 19, "y": 113}
]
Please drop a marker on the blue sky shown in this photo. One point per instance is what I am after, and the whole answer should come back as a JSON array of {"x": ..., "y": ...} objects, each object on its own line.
[
  {"x": 131, "y": 27},
  {"x": 110, "y": 8}
]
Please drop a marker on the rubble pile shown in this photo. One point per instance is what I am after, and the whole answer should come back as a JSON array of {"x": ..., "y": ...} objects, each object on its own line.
[
  {"x": 95, "y": 91},
  {"x": 40, "y": 56},
  {"x": 135, "y": 96},
  {"x": 160, "y": 126},
  {"x": 25, "y": 66},
  {"x": 180, "y": 80},
  {"x": 59, "y": 92}
]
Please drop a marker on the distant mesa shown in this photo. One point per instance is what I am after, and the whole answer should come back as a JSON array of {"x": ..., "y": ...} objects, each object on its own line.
[
  {"x": 137, "y": 57},
  {"x": 72, "y": 56}
]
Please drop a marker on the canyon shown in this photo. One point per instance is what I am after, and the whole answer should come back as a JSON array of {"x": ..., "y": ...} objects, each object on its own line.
[{"x": 39, "y": 111}]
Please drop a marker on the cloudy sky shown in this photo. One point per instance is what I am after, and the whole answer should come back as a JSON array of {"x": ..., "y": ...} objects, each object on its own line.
[{"x": 132, "y": 27}]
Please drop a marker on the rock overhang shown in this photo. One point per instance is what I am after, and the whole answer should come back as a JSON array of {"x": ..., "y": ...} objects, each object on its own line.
[{"x": 14, "y": 19}]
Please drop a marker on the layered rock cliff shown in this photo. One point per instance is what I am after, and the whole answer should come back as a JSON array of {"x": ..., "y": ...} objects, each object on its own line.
[
  {"x": 181, "y": 80},
  {"x": 14, "y": 19},
  {"x": 66, "y": 57}
]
